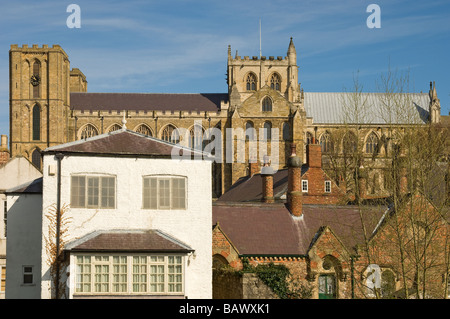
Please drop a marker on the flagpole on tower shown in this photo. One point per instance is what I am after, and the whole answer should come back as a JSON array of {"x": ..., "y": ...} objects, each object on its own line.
[{"x": 260, "y": 38}]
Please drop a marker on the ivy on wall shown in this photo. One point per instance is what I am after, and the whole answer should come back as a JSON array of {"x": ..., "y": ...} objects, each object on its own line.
[{"x": 277, "y": 277}]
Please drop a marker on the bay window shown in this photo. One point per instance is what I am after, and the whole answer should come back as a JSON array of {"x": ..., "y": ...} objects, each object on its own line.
[{"x": 129, "y": 274}]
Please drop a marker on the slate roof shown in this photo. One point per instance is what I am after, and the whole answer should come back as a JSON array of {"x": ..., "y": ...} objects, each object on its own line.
[
  {"x": 249, "y": 188},
  {"x": 129, "y": 240},
  {"x": 32, "y": 187},
  {"x": 147, "y": 101},
  {"x": 270, "y": 229},
  {"x": 329, "y": 108},
  {"x": 122, "y": 142}
]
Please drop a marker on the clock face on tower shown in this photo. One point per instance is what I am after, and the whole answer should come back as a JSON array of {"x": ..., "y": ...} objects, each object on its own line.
[{"x": 35, "y": 80}]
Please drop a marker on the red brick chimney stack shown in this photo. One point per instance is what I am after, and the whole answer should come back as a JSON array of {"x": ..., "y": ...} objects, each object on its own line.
[
  {"x": 294, "y": 195},
  {"x": 267, "y": 181},
  {"x": 314, "y": 154}
]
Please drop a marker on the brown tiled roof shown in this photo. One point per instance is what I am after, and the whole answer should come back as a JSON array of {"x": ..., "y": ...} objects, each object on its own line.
[
  {"x": 147, "y": 101},
  {"x": 120, "y": 142},
  {"x": 270, "y": 229},
  {"x": 128, "y": 240},
  {"x": 258, "y": 229}
]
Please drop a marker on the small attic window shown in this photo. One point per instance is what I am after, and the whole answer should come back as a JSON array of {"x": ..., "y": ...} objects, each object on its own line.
[
  {"x": 327, "y": 186},
  {"x": 267, "y": 104}
]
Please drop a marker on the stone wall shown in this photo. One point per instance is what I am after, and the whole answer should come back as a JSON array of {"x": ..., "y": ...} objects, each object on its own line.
[{"x": 233, "y": 285}]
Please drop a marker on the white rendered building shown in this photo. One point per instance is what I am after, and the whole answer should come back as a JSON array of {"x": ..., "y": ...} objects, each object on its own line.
[{"x": 136, "y": 222}]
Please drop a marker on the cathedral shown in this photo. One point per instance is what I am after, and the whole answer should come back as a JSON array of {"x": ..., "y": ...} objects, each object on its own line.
[{"x": 50, "y": 105}]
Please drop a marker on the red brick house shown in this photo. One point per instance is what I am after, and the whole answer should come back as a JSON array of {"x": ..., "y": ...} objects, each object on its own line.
[{"x": 272, "y": 218}]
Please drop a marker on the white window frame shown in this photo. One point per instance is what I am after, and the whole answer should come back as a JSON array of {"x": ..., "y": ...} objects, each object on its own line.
[
  {"x": 27, "y": 273},
  {"x": 327, "y": 186},
  {"x": 158, "y": 260},
  {"x": 100, "y": 187},
  {"x": 158, "y": 196},
  {"x": 305, "y": 183}
]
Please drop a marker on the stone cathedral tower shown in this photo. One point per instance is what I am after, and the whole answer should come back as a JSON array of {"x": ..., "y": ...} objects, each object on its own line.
[{"x": 39, "y": 99}]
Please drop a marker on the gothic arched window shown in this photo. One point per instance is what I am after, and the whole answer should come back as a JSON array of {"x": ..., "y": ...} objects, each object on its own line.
[
  {"x": 286, "y": 131},
  {"x": 372, "y": 143},
  {"x": 89, "y": 130},
  {"x": 36, "y": 158},
  {"x": 267, "y": 104},
  {"x": 196, "y": 137},
  {"x": 115, "y": 127},
  {"x": 144, "y": 129},
  {"x": 251, "y": 82},
  {"x": 275, "y": 82},
  {"x": 249, "y": 130},
  {"x": 36, "y": 122},
  {"x": 267, "y": 131},
  {"x": 170, "y": 134},
  {"x": 326, "y": 143}
]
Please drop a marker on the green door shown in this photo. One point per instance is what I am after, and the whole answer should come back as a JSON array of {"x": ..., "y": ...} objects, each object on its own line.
[{"x": 327, "y": 287}]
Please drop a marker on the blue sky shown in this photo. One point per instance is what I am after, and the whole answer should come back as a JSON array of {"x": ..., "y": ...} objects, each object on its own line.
[{"x": 180, "y": 46}]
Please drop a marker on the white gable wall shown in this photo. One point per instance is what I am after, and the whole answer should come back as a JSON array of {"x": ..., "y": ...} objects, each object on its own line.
[
  {"x": 192, "y": 226},
  {"x": 24, "y": 245}
]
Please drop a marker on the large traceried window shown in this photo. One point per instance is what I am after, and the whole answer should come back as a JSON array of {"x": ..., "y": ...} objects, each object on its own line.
[
  {"x": 164, "y": 192},
  {"x": 114, "y": 127},
  {"x": 88, "y": 130},
  {"x": 93, "y": 191},
  {"x": 129, "y": 274},
  {"x": 170, "y": 134},
  {"x": 326, "y": 143},
  {"x": 196, "y": 137},
  {"x": 251, "y": 82},
  {"x": 144, "y": 129},
  {"x": 372, "y": 143},
  {"x": 275, "y": 82}
]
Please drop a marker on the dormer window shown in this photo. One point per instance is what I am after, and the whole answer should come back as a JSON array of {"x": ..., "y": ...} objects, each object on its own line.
[{"x": 251, "y": 82}]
